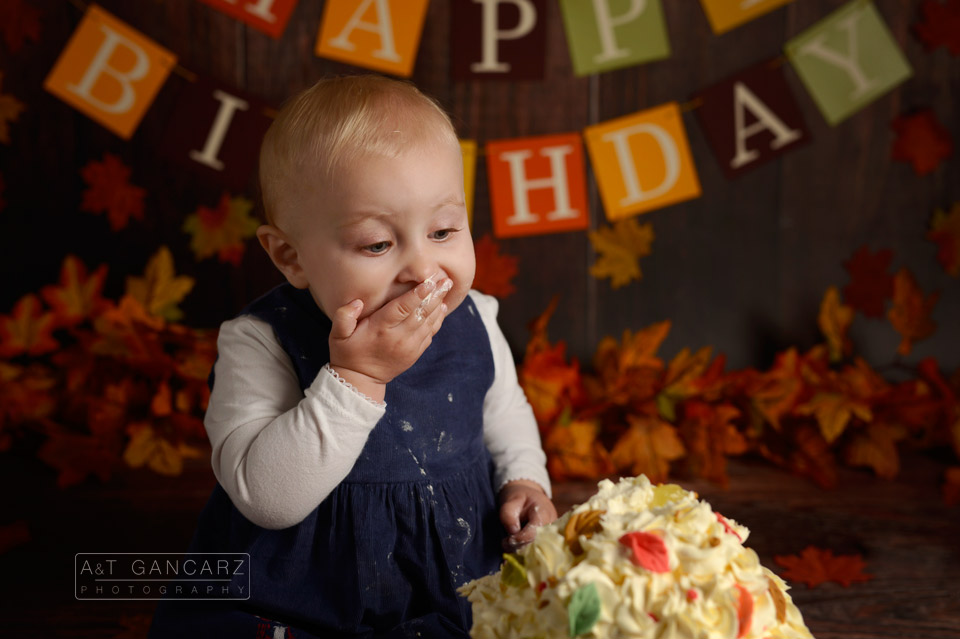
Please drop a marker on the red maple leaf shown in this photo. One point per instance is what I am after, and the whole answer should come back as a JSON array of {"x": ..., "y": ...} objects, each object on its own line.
[
  {"x": 941, "y": 25},
  {"x": 814, "y": 566},
  {"x": 18, "y": 21},
  {"x": 871, "y": 283},
  {"x": 111, "y": 193},
  {"x": 921, "y": 141},
  {"x": 494, "y": 271}
]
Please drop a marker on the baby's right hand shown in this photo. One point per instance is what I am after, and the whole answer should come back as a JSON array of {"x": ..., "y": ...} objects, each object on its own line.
[{"x": 370, "y": 352}]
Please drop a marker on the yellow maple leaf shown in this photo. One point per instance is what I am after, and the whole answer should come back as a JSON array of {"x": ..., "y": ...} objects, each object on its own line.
[
  {"x": 876, "y": 447},
  {"x": 159, "y": 290},
  {"x": 620, "y": 247},
  {"x": 834, "y": 322},
  {"x": 222, "y": 231},
  {"x": 10, "y": 110},
  {"x": 161, "y": 456},
  {"x": 648, "y": 447},
  {"x": 833, "y": 412},
  {"x": 684, "y": 372}
]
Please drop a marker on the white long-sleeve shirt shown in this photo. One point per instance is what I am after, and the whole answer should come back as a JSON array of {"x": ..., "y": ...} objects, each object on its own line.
[{"x": 278, "y": 452}]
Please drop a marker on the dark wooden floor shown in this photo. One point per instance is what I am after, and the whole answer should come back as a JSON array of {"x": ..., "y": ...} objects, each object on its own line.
[{"x": 909, "y": 539}]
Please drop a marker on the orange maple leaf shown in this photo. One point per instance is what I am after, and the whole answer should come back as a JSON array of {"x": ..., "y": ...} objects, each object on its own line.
[
  {"x": 25, "y": 394},
  {"x": 110, "y": 192},
  {"x": 774, "y": 393},
  {"x": 10, "y": 110},
  {"x": 871, "y": 284},
  {"x": 945, "y": 232},
  {"x": 160, "y": 290},
  {"x": 620, "y": 247},
  {"x": 19, "y": 21},
  {"x": 630, "y": 370},
  {"x": 573, "y": 451},
  {"x": 921, "y": 140},
  {"x": 78, "y": 295},
  {"x": 550, "y": 382},
  {"x": 834, "y": 321},
  {"x": 810, "y": 455},
  {"x": 814, "y": 566},
  {"x": 222, "y": 231},
  {"x": 647, "y": 447},
  {"x": 495, "y": 272},
  {"x": 910, "y": 314},
  {"x": 941, "y": 25},
  {"x": 833, "y": 411},
  {"x": 27, "y": 330},
  {"x": 876, "y": 447},
  {"x": 146, "y": 447},
  {"x": 709, "y": 436}
]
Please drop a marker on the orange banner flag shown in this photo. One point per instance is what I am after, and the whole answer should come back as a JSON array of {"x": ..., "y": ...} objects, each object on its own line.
[
  {"x": 642, "y": 161},
  {"x": 537, "y": 185},
  {"x": 382, "y": 35},
  {"x": 110, "y": 72}
]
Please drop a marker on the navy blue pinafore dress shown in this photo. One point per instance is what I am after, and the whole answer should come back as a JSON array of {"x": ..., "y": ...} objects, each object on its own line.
[{"x": 415, "y": 518}]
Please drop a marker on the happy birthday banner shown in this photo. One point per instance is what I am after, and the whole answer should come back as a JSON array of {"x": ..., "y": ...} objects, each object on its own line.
[{"x": 642, "y": 161}]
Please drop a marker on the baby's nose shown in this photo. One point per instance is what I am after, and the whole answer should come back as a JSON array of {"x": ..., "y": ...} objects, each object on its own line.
[{"x": 421, "y": 267}]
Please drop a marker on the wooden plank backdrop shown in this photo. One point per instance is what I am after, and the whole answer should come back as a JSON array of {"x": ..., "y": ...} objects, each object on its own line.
[{"x": 743, "y": 268}]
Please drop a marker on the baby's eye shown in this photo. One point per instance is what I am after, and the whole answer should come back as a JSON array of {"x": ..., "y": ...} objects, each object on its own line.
[
  {"x": 377, "y": 248},
  {"x": 443, "y": 234}
]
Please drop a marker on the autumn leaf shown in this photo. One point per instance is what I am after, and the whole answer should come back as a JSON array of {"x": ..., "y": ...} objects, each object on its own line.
[
  {"x": 810, "y": 455},
  {"x": 495, "y": 272},
  {"x": 629, "y": 369},
  {"x": 940, "y": 25},
  {"x": 910, "y": 314},
  {"x": 620, "y": 247},
  {"x": 109, "y": 191},
  {"x": 647, "y": 447},
  {"x": 685, "y": 372},
  {"x": 647, "y": 550},
  {"x": 28, "y": 329},
  {"x": 574, "y": 452},
  {"x": 159, "y": 290},
  {"x": 876, "y": 447},
  {"x": 78, "y": 295},
  {"x": 222, "y": 231},
  {"x": 871, "y": 283},
  {"x": 834, "y": 321},
  {"x": 814, "y": 566},
  {"x": 10, "y": 110},
  {"x": 951, "y": 486},
  {"x": 13, "y": 535},
  {"x": 19, "y": 21},
  {"x": 921, "y": 140},
  {"x": 79, "y": 456},
  {"x": 709, "y": 436},
  {"x": 550, "y": 382},
  {"x": 148, "y": 448},
  {"x": 833, "y": 412},
  {"x": 945, "y": 232},
  {"x": 774, "y": 393},
  {"x": 25, "y": 394}
]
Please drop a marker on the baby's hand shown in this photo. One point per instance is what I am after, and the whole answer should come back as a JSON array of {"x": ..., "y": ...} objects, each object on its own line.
[
  {"x": 370, "y": 352},
  {"x": 524, "y": 507}
]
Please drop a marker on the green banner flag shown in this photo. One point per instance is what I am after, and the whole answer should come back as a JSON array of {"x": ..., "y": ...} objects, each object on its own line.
[{"x": 603, "y": 35}]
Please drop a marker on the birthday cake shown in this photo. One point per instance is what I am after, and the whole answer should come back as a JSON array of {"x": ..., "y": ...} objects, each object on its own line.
[{"x": 638, "y": 561}]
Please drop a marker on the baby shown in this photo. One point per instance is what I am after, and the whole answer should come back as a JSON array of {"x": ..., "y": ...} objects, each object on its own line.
[{"x": 372, "y": 446}]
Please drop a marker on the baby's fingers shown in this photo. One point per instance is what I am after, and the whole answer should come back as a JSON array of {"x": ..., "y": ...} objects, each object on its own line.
[
  {"x": 406, "y": 305},
  {"x": 345, "y": 320}
]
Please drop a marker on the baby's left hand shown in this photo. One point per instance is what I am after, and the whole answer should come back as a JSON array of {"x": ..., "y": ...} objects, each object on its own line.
[{"x": 524, "y": 507}]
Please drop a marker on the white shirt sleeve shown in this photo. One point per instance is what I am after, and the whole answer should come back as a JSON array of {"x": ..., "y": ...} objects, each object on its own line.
[
  {"x": 278, "y": 452},
  {"x": 509, "y": 427}
]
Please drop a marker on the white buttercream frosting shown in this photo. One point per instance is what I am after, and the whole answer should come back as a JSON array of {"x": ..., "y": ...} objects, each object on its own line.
[{"x": 711, "y": 586}]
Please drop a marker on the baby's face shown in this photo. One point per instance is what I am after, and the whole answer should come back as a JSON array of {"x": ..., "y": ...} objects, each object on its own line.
[{"x": 380, "y": 226}]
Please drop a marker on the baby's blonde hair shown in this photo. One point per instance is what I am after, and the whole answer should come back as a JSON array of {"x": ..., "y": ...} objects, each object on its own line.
[{"x": 338, "y": 119}]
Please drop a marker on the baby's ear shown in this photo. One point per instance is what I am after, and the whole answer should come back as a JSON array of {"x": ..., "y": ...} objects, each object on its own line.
[{"x": 283, "y": 254}]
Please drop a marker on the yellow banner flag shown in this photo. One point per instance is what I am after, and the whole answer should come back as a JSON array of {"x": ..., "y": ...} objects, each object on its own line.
[
  {"x": 382, "y": 35},
  {"x": 727, "y": 14},
  {"x": 642, "y": 161},
  {"x": 110, "y": 72},
  {"x": 468, "y": 149}
]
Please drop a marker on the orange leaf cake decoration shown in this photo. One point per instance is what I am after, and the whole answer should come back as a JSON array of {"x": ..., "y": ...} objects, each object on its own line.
[
  {"x": 495, "y": 272},
  {"x": 922, "y": 141},
  {"x": 661, "y": 565},
  {"x": 814, "y": 566}
]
